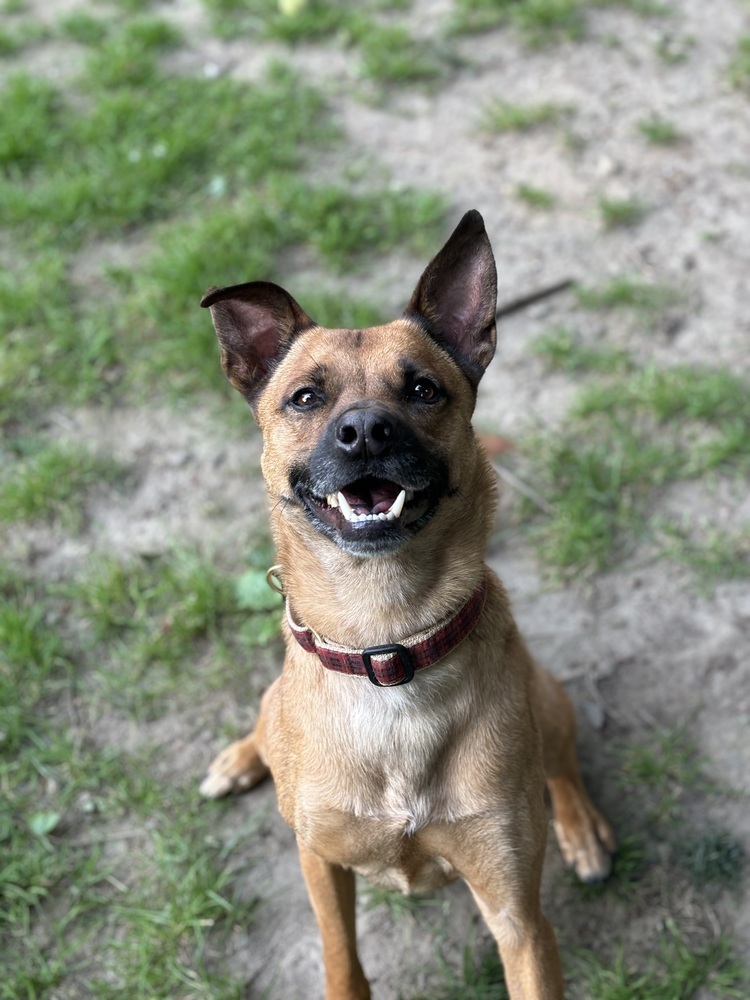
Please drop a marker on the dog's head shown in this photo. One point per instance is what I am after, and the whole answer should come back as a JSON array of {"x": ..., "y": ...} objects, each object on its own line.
[{"x": 367, "y": 433}]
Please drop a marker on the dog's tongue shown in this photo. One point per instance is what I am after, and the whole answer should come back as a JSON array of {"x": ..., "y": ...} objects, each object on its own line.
[{"x": 371, "y": 496}]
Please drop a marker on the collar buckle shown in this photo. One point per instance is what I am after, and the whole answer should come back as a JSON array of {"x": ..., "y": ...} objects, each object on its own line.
[{"x": 394, "y": 648}]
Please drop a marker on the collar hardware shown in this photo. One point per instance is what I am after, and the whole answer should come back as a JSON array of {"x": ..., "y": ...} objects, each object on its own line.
[{"x": 403, "y": 655}]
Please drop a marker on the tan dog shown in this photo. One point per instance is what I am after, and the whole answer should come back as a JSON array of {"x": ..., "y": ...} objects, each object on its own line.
[{"x": 427, "y": 760}]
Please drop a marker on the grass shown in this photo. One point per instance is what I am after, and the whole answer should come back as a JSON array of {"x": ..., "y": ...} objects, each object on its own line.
[
  {"x": 659, "y": 131},
  {"x": 542, "y": 22},
  {"x": 621, "y": 213},
  {"x": 52, "y": 484},
  {"x": 387, "y": 51},
  {"x": 143, "y": 154},
  {"x": 502, "y": 116},
  {"x": 719, "y": 556},
  {"x": 680, "y": 972},
  {"x": 739, "y": 68},
  {"x": 535, "y": 197},
  {"x": 629, "y": 434},
  {"x": 562, "y": 350},
  {"x": 626, "y": 292},
  {"x": 480, "y": 977},
  {"x": 665, "y": 768},
  {"x": 93, "y": 837}
]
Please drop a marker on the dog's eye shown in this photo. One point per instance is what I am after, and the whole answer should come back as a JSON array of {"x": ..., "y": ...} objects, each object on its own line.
[
  {"x": 425, "y": 390},
  {"x": 304, "y": 399}
]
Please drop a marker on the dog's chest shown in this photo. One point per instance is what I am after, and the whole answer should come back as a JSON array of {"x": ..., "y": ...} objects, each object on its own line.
[{"x": 385, "y": 778}]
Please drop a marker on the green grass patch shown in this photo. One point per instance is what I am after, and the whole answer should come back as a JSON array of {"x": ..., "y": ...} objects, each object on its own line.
[
  {"x": 130, "y": 57},
  {"x": 155, "y": 619},
  {"x": 562, "y": 350},
  {"x": 388, "y": 52},
  {"x": 115, "y": 160},
  {"x": 479, "y": 977},
  {"x": 659, "y": 131},
  {"x": 739, "y": 68},
  {"x": 665, "y": 768},
  {"x": 14, "y": 38},
  {"x": 719, "y": 555},
  {"x": 84, "y": 28},
  {"x": 535, "y": 197},
  {"x": 628, "y": 435},
  {"x": 680, "y": 971},
  {"x": 713, "y": 858},
  {"x": 626, "y": 292},
  {"x": 544, "y": 22},
  {"x": 502, "y": 116},
  {"x": 243, "y": 240},
  {"x": 52, "y": 483},
  {"x": 621, "y": 213}
]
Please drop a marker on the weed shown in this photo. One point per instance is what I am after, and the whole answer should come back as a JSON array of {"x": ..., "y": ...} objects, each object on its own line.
[
  {"x": 679, "y": 972},
  {"x": 535, "y": 197},
  {"x": 603, "y": 465},
  {"x": 659, "y": 131},
  {"x": 720, "y": 555},
  {"x": 665, "y": 769},
  {"x": 620, "y": 213},
  {"x": 84, "y": 28},
  {"x": 542, "y": 22},
  {"x": 501, "y": 116},
  {"x": 597, "y": 479},
  {"x": 739, "y": 68},
  {"x": 130, "y": 57},
  {"x": 562, "y": 350},
  {"x": 625, "y": 292},
  {"x": 13, "y": 40},
  {"x": 398, "y": 904},
  {"x": 480, "y": 977},
  {"x": 712, "y": 858},
  {"x": 389, "y": 54},
  {"x": 674, "y": 50},
  {"x": 51, "y": 483}
]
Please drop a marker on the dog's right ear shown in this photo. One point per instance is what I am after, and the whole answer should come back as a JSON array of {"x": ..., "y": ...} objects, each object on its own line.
[{"x": 255, "y": 323}]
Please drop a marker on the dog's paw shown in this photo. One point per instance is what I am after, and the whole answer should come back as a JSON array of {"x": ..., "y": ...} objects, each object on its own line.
[
  {"x": 587, "y": 842},
  {"x": 237, "y": 769}
]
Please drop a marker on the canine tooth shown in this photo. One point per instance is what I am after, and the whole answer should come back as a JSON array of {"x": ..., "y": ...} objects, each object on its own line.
[
  {"x": 398, "y": 504},
  {"x": 345, "y": 508},
  {"x": 332, "y": 500}
]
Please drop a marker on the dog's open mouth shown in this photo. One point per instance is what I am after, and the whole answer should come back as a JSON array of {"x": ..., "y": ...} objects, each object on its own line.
[{"x": 367, "y": 500}]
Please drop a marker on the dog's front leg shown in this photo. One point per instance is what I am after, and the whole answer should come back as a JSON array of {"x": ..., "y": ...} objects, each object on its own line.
[
  {"x": 332, "y": 894},
  {"x": 528, "y": 950}
]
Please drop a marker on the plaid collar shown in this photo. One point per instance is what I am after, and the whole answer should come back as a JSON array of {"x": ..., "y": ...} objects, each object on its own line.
[{"x": 395, "y": 663}]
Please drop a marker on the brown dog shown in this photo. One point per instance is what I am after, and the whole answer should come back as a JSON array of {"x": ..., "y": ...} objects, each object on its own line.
[{"x": 410, "y": 735}]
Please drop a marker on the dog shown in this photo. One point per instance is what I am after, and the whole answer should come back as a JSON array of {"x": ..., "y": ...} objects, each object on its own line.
[{"x": 410, "y": 735}]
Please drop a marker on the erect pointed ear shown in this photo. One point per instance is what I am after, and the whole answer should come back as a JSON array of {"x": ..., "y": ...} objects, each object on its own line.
[
  {"x": 255, "y": 323},
  {"x": 457, "y": 297}
]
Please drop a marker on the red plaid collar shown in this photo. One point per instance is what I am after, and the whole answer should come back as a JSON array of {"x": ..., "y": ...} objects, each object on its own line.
[{"x": 395, "y": 663}]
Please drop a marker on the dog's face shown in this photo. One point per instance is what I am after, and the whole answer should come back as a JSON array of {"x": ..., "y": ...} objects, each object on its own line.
[{"x": 367, "y": 433}]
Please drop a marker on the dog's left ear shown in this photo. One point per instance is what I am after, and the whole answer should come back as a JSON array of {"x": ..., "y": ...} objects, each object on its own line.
[
  {"x": 457, "y": 297},
  {"x": 255, "y": 324}
]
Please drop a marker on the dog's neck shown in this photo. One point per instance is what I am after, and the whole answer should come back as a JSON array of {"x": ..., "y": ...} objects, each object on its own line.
[{"x": 364, "y": 601}]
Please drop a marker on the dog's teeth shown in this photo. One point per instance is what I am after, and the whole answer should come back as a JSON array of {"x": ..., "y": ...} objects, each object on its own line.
[
  {"x": 332, "y": 500},
  {"x": 345, "y": 508},
  {"x": 398, "y": 504}
]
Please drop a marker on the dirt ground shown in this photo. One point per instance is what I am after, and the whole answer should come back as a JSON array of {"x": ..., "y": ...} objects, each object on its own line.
[{"x": 640, "y": 648}]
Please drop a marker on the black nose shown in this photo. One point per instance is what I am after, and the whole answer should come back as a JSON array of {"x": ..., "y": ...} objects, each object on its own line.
[{"x": 364, "y": 433}]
